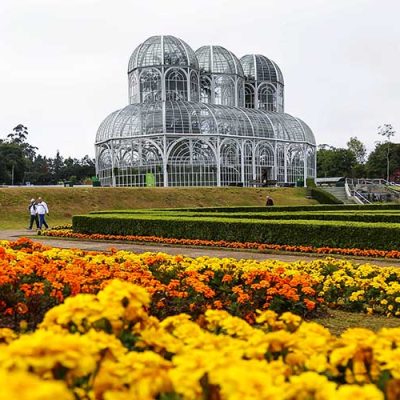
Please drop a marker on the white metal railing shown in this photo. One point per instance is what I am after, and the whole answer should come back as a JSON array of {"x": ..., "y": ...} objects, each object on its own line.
[
  {"x": 353, "y": 194},
  {"x": 359, "y": 197}
]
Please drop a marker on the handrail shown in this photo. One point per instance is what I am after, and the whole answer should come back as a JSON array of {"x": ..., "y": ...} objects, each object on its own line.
[
  {"x": 360, "y": 197},
  {"x": 353, "y": 194}
]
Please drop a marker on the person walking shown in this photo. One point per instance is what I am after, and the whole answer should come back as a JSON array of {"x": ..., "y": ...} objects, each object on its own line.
[
  {"x": 42, "y": 210},
  {"x": 33, "y": 214}
]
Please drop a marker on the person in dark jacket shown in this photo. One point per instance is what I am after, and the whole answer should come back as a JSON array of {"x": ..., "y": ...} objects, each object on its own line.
[
  {"x": 269, "y": 201},
  {"x": 33, "y": 214}
]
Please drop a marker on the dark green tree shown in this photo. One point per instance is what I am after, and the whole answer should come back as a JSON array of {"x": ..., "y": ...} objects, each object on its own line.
[
  {"x": 12, "y": 163},
  {"x": 377, "y": 163},
  {"x": 332, "y": 161},
  {"x": 56, "y": 166}
]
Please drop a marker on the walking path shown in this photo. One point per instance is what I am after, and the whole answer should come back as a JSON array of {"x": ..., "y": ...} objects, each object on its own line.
[{"x": 189, "y": 251}]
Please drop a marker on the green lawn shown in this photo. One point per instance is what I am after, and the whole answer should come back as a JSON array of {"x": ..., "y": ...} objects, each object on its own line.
[{"x": 66, "y": 202}]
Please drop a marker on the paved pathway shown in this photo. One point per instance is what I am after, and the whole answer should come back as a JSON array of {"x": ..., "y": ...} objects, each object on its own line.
[{"x": 184, "y": 250}]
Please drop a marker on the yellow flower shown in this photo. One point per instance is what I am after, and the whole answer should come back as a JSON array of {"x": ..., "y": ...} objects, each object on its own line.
[
  {"x": 18, "y": 385},
  {"x": 7, "y": 335},
  {"x": 45, "y": 352},
  {"x": 365, "y": 392},
  {"x": 310, "y": 385},
  {"x": 263, "y": 381},
  {"x": 142, "y": 376}
]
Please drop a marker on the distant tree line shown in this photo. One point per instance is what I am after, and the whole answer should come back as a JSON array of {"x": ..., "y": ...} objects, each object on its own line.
[
  {"x": 352, "y": 161},
  {"x": 20, "y": 163}
]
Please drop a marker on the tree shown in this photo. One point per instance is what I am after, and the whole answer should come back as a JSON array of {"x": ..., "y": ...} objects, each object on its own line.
[
  {"x": 332, "y": 161},
  {"x": 376, "y": 166},
  {"x": 19, "y": 163},
  {"x": 56, "y": 168},
  {"x": 359, "y": 150},
  {"x": 387, "y": 131},
  {"x": 12, "y": 163},
  {"x": 18, "y": 135}
]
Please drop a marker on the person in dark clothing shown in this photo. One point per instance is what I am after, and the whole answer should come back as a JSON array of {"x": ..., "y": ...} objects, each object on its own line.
[
  {"x": 269, "y": 201},
  {"x": 33, "y": 214}
]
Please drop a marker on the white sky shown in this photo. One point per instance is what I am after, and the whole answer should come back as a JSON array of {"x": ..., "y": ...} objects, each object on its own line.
[{"x": 63, "y": 63}]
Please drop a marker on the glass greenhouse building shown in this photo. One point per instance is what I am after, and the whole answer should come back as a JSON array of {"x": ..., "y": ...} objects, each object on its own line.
[{"x": 202, "y": 118}]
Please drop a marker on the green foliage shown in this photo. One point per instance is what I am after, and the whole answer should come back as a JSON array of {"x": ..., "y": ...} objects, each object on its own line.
[
  {"x": 358, "y": 149},
  {"x": 291, "y": 232},
  {"x": 12, "y": 164},
  {"x": 249, "y": 209},
  {"x": 310, "y": 182},
  {"x": 324, "y": 197},
  {"x": 333, "y": 161},
  {"x": 19, "y": 163},
  {"x": 377, "y": 160},
  {"x": 319, "y": 213}
]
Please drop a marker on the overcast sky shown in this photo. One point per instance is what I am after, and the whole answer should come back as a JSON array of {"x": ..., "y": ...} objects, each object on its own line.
[{"x": 63, "y": 63}]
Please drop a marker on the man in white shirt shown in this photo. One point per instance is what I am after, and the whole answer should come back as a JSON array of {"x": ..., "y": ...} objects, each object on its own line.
[{"x": 42, "y": 210}]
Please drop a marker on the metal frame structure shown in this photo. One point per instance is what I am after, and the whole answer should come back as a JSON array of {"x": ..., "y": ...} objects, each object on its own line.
[{"x": 187, "y": 124}]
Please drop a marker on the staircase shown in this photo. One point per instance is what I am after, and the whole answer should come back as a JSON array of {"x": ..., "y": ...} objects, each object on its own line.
[{"x": 339, "y": 193}]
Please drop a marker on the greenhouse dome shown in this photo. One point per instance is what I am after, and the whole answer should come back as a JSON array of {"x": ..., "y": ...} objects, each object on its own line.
[
  {"x": 221, "y": 76},
  {"x": 260, "y": 68},
  {"x": 264, "y": 83},
  {"x": 186, "y": 124}
]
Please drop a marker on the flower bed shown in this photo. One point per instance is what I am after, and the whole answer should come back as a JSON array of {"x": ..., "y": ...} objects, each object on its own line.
[
  {"x": 68, "y": 233},
  {"x": 109, "y": 346},
  {"x": 34, "y": 278}
]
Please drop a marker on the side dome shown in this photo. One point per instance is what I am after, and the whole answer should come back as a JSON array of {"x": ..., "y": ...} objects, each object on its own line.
[
  {"x": 260, "y": 68},
  {"x": 163, "y": 50},
  {"x": 218, "y": 60}
]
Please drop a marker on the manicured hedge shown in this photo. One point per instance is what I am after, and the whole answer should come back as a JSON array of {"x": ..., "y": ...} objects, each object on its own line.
[
  {"x": 332, "y": 216},
  {"x": 321, "y": 207},
  {"x": 299, "y": 232}
]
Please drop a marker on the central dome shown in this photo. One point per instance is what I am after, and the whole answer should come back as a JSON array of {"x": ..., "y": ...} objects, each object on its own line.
[{"x": 163, "y": 50}]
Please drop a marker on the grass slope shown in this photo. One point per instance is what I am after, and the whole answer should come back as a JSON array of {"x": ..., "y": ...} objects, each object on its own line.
[{"x": 66, "y": 202}]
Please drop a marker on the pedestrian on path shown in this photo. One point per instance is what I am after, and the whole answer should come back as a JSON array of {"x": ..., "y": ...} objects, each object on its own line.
[
  {"x": 33, "y": 214},
  {"x": 42, "y": 211}
]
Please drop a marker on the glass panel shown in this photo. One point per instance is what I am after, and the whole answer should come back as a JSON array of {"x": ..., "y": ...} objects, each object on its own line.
[
  {"x": 176, "y": 85},
  {"x": 150, "y": 85}
]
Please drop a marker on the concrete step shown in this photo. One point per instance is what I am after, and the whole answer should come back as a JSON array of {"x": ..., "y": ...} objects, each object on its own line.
[{"x": 339, "y": 193}]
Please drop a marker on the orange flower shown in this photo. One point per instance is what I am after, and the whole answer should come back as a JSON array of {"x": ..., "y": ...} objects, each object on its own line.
[
  {"x": 227, "y": 278},
  {"x": 310, "y": 305}
]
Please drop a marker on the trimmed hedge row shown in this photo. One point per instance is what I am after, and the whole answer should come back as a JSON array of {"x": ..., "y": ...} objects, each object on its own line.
[
  {"x": 308, "y": 233},
  {"x": 368, "y": 217},
  {"x": 322, "y": 207}
]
